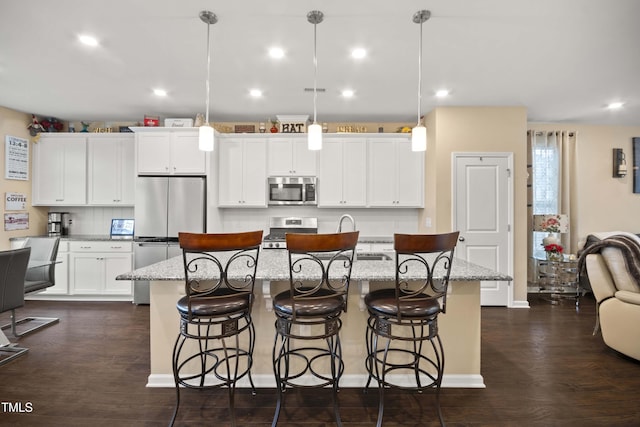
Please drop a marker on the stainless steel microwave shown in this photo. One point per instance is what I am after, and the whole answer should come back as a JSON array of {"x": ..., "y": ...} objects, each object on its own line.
[{"x": 292, "y": 190}]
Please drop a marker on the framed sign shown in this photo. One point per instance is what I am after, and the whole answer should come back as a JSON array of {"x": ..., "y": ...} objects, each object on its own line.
[
  {"x": 16, "y": 221},
  {"x": 16, "y": 158},
  {"x": 15, "y": 202}
]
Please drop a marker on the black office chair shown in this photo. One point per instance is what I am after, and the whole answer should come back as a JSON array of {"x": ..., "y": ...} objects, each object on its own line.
[
  {"x": 13, "y": 268},
  {"x": 404, "y": 318},
  {"x": 320, "y": 273},
  {"x": 44, "y": 251},
  {"x": 215, "y": 312}
]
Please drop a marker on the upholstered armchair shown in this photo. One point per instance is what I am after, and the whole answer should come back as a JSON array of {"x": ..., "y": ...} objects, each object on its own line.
[{"x": 612, "y": 263}]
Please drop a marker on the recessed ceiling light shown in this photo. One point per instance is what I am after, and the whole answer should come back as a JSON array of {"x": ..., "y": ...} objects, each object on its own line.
[
  {"x": 615, "y": 105},
  {"x": 160, "y": 92},
  {"x": 442, "y": 93},
  {"x": 276, "y": 52},
  {"x": 88, "y": 40},
  {"x": 358, "y": 53},
  {"x": 348, "y": 93},
  {"x": 256, "y": 93}
]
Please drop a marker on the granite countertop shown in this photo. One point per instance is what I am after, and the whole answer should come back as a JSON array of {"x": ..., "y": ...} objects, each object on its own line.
[
  {"x": 73, "y": 237},
  {"x": 273, "y": 265}
]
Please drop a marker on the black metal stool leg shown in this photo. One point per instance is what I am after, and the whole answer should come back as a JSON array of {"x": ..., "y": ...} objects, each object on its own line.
[
  {"x": 176, "y": 353},
  {"x": 277, "y": 361}
]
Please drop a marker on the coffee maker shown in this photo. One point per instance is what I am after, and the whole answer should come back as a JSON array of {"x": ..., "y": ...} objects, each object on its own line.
[{"x": 58, "y": 223}]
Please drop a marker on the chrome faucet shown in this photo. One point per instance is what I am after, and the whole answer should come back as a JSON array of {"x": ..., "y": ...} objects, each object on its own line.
[{"x": 342, "y": 218}]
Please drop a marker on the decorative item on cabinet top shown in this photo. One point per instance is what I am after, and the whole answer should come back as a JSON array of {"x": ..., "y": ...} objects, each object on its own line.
[{"x": 293, "y": 124}]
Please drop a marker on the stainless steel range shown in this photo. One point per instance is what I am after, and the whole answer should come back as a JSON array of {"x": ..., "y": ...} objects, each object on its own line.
[{"x": 278, "y": 226}]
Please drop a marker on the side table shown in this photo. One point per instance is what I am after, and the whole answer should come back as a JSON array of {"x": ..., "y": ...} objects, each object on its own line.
[{"x": 557, "y": 279}]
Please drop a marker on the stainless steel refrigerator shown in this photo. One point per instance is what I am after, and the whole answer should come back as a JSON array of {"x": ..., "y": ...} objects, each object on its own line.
[{"x": 164, "y": 206}]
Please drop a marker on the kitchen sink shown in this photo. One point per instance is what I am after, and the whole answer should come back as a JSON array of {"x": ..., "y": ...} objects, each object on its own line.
[{"x": 365, "y": 256}]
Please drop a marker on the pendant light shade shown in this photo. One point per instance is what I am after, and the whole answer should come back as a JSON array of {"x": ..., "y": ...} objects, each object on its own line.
[
  {"x": 205, "y": 138},
  {"x": 206, "y": 134},
  {"x": 314, "y": 130},
  {"x": 419, "y": 138},
  {"x": 419, "y": 132}
]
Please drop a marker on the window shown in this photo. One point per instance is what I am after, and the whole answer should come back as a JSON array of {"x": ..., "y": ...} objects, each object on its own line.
[{"x": 545, "y": 194}]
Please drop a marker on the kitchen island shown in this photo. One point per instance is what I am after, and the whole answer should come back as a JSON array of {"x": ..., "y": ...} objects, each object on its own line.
[{"x": 459, "y": 327}]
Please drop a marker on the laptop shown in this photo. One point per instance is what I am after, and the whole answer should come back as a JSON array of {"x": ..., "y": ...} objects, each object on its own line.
[{"x": 122, "y": 228}]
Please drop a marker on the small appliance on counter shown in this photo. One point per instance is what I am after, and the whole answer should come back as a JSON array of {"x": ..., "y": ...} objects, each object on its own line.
[
  {"x": 279, "y": 226},
  {"x": 58, "y": 223}
]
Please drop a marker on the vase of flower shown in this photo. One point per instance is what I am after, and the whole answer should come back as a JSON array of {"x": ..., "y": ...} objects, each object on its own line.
[{"x": 554, "y": 252}]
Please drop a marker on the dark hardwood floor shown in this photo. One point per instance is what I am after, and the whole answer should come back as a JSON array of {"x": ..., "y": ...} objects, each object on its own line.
[{"x": 541, "y": 366}]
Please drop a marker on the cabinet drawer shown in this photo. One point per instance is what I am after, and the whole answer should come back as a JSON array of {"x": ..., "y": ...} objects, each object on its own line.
[
  {"x": 63, "y": 246},
  {"x": 91, "y": 246}
]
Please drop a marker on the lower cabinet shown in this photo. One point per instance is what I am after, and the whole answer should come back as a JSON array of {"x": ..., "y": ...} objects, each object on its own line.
[{"x": 94, "y": 265}]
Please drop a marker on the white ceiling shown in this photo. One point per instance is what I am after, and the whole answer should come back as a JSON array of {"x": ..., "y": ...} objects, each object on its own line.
[{"x": 564, "y": 60}]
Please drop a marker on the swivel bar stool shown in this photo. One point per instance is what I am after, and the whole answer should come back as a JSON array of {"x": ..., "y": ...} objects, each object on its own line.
[
  {"x": 215, "y": 313},
  {"x": 404, "y": 318},
  {"x": 319, "y": 275}
]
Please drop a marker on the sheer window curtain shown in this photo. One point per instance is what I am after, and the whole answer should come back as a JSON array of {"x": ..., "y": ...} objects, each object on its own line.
[{"x": 551, "y": 180}]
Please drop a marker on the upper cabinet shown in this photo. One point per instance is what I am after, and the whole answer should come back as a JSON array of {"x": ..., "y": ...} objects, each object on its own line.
[
  {"x": 169, "y": 151},
  {"x": 242, "y": 172},
  {"x": 111, "y": 169},
  {"x": 60, "y": 170},
  {"x": 289, "y": 155},
  {"x": 396, "y": 174},
  {"x": 342, "y": 173}
]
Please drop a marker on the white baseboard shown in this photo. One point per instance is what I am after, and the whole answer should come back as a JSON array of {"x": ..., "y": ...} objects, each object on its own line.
[
  {"x": 520, "y": 304},
  {"x": 348, "y": 381}
]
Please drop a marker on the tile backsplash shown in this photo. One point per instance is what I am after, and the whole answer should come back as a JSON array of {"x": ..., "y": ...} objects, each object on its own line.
[{"x": 93, "y": 220}]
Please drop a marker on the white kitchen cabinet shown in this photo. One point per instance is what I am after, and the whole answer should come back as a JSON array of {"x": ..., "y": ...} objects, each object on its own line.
[
  {"x": 342, "y": 173},
  {"x": 59, "y": 173},
  {"x": 111, "y": 169},
  {"x": 169, "y": 152},
  {"x": 242, "y": 172},
  {"x": 94, "y": 266},
  {"x": 289, "y": 156},
  {"x": 396, "y": 174}
]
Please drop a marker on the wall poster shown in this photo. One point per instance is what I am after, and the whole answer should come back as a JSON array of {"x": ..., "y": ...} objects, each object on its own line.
[
  {"x": 15, "y": 201},
  {"x": 16, "y": 221},
  {"x": 16, "y": 158}
]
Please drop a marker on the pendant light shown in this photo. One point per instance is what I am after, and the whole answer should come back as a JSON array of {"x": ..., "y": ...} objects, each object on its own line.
[
  {"x": 205, "y": 135},
  {"x": 419, "y": 132},
  {"x": 315, "y": 130}
]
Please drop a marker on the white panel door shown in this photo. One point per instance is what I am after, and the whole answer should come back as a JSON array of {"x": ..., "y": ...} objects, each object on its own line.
[{"x": 482, "y": 215}]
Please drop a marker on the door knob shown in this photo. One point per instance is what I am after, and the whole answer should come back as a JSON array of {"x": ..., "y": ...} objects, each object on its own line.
[{"x": 461, "y": 239}]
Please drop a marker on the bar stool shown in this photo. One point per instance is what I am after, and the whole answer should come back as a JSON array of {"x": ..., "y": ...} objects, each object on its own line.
[
  {"x": 404, "y": 318},
  {"x": 319, "y": 275},
  {"x": 215, "y": 313}
]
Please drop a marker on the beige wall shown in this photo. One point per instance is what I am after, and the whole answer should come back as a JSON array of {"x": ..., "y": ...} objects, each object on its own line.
[
  {"x": 603, "y": 203},
  {"x": 15, "y": 124},
  {"x": 477, "y": 129}
]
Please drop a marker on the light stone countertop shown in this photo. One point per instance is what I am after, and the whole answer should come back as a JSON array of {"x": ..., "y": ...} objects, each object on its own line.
[{"x": 273, "y": 265}]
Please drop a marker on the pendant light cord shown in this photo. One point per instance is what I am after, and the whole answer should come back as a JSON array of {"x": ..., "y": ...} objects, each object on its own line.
[
  {"x": 208, "y": 90},
  {"x": 420, "y": 73},
  {"x": 315, "y": 73}
]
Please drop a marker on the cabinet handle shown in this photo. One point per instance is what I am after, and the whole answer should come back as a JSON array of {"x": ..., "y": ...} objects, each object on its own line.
[
  {"x": 59, "y": 200},
  {"x": 85, "y": 247},
  {"x": 116, "y": 247}
]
